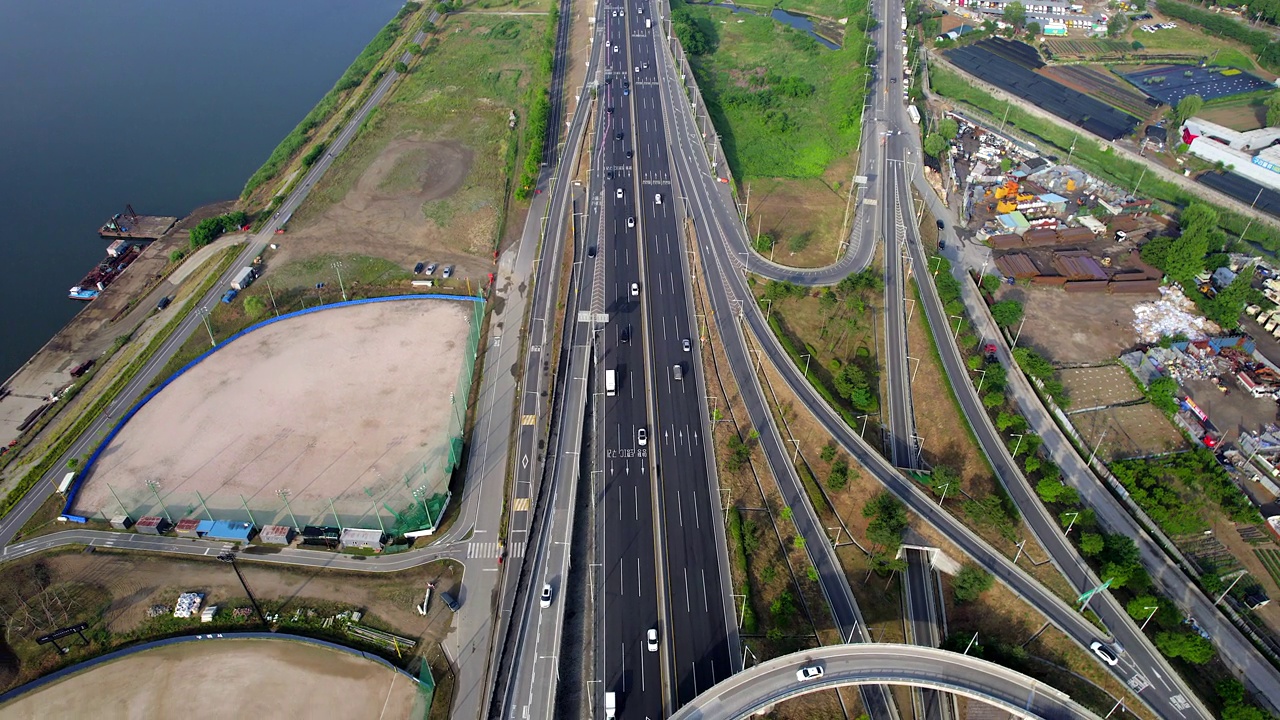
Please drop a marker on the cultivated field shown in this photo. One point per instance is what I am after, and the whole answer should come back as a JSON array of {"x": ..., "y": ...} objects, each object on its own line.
[
  {"x": 1090, "y": 387},
  {"x": 1131, "y": 431},
  {"x": 233, "y": 678},
  {"x": 1104, "y": 86},
  {"x": 350, "y": 405}
]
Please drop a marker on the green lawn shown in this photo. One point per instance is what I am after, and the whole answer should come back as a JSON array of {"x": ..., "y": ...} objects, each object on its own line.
[
  {"x": 785, "y": 106},
  {"x": 1193, "y": 42}
]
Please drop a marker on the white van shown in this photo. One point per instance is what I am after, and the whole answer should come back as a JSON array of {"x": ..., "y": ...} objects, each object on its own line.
[{"x": 657, "y": 198}]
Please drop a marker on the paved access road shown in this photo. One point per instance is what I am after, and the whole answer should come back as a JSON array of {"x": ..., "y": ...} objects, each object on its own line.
[{"x": 770, "y": 682}]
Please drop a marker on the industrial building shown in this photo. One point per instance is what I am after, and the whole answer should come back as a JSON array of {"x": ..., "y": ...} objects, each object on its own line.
[
  {"x": 229, "y": 531},
  {"x": 187, "y": 527},
  {"x": 1253, "y": 154},
  {"x": 360, "y": 538},
  {"x": 276, "y": 534},
  {"x": 321, "y": 535},
  {"x": 152, "y": 525}
]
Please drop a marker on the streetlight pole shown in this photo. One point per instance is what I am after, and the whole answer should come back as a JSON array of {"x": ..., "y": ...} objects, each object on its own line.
[
  {"x": 204, "y": 314},
  {"x": 807, "y": 358},
  {"x": 1074, "y": 516},
  {"x": 1096, "y": 446},
  {"x": 981, "y": 380},
  {"x": 944, "y": 494},
  {"x": 1018, "y": 444},
  {"x": 1018, "y": 334},
  {"x": 1153, "y": 614},
  {"x": 1228, "y": 590},
  {"x": 959, "y": 321},
  {"x": 337, "y": 265}
]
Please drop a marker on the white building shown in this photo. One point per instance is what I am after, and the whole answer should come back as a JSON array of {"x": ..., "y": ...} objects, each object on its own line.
[{"x": 1251, "y": 154}]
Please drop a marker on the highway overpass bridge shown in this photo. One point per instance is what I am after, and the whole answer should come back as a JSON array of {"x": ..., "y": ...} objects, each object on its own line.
[{"x": 757, "y": 689}]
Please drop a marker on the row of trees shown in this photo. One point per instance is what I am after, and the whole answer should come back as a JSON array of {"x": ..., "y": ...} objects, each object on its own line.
[
  {"x": 1185, "y": 257},
  {"x": 211, "y": 229}
]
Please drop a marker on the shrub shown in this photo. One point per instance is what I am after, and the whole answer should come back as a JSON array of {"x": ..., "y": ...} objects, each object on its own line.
[{"x": 971, "y": 582}]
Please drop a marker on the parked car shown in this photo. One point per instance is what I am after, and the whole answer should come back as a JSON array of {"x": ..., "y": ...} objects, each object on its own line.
[
  {"x": 417, "y": 269},
  {"x": 448, "y": 271},
  {"x": 450, "y": 601},
  {"x": 164, "y": 302},
  {"x": 431, "y": 269},
  {"x": 229, "y": 295}
]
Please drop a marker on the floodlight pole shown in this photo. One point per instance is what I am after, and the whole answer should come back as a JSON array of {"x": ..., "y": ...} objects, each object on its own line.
[
  {"x": 248, "y": 512},
  {"x": 337, "y": 265},
  {"x": 272, "y": 293},
  {"x": 230, "y": 559},
  {"x": 203, "y": 505},
  {"x": 155, "y": 490},
  {"x": 284, "y": 495},
  {"x": 123, "y": 509}
]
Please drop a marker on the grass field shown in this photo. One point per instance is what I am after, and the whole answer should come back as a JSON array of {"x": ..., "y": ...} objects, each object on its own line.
[
  {"x": 1271, "y": 561},
  {"x": 1186, "y": 39},
  {"x": 462, "y": 91},
  {"x": 769, "y": 128}
]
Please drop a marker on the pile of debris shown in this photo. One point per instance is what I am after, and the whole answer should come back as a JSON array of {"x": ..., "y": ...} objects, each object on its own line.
[{"x": 1173, "y": 314}]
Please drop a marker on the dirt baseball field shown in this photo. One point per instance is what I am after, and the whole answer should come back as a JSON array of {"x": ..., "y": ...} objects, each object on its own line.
[
  {"x": 229, "y": 678},
  {"x": 340, "y": 405}
]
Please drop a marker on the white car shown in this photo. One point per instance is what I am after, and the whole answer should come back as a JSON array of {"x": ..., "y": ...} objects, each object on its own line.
[
  {"x": 448, "y": 271},
  {"x": 545, "y": 599},
  {"x": 615, "y": 48},
  {"x": 635, "y": 289},
  {"x": 642, "y": 437},
  {"x": 809, "y": 672},
  {"x": 431, "y": 268},
  {"x": 652, "y": 640},
  {"x": 607, "y": 43},
  {"x": 631, "y": 222},
  {"x": 619, "y": 193},
  {"x": 1107, "y": 654},
  {"x": 686, "y": 344},
  {"x": 657, "y": 198}
]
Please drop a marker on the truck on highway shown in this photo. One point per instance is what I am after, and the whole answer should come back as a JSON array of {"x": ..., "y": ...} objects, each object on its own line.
[
  {"x": 610, "y": 382},
  {"x": 648, "y": 23},
  {"x": 244, "y": 278},
  {"x": 611, "y": 705},
  {"x": 66, "y": 483}
]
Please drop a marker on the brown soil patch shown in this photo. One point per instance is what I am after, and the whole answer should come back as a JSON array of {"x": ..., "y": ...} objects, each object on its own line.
[
  {"x": 1128, "y": 431},
  {"x": 805, "y": 212},
  {"x": 272, "y": 678},
  {"x": 1070, "y": 328},
  {"x": 316, "y": 406},
  {"x": 1097, "y": 386},
  {"x": 399, "y": 208}
]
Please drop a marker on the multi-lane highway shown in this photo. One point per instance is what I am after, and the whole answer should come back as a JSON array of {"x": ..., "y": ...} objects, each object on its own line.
[
  {"x": 773, "y": 681},
  {"x": 662, "y": 540}
]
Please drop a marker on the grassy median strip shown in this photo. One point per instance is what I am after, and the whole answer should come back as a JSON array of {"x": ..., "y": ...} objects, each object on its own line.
[{"x": 60, "y": 446}]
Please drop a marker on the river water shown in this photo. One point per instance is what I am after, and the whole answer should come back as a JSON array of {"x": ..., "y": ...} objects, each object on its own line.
[{"x": 164, "y": 104}]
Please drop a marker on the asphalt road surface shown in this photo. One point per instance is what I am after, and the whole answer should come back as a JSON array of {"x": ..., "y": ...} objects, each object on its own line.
[{"x": 775, "y": 680}]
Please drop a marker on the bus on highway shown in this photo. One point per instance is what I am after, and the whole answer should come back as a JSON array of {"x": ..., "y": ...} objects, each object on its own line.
[{"x": 610, "y": 383}]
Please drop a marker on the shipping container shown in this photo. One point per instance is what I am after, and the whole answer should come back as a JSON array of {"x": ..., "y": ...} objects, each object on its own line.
[{"x": 244, "y": 278}]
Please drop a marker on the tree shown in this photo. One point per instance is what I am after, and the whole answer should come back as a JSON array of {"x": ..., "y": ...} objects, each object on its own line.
[
  {"x": 993, "y": 400},
  {"x": 828, "y": 452},
  {"x": 1050, "y": 491},
  {"x": 1091, "y": 544},
  {"x": 1187, "y": 108},
  {"x": 934, "y": 144},
  {"x": 1115, "y": 25},
  {"x": 414, "y": 48},
  {"x": 971, "y": 582},
  {"x": 839, "y": 476},
  {"x": 400, "y": 67},
  {"x": 1273, "y": 110},
  {"x": 1015, "y": 13},
  {"x": 1186, "y": 645},
  {"x": 1006, "y": 313},
  {"x": 1226, "y": 306},
  {"x": 949, "y": 129},
  {"x": 1006, "y": 165},
  {"x": 888, "y": 521},
  {"x": 1033, "y": 28},
  {"x": 1161, "y": 393},
  {"x": 254, "y": 307},
  {"x": 990, "y": 283}
]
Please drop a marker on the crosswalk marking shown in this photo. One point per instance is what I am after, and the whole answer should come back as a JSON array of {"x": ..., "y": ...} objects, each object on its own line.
[{"x": 482, "y": 550}]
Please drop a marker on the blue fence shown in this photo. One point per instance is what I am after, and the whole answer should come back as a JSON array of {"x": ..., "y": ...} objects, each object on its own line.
[{"x": 83, "y": 474}]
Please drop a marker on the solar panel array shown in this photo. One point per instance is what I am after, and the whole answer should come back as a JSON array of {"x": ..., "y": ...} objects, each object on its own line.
[
  {"x": 1011, "y": 66},
  {"x": 1244, "y": 190},
  {"x": 1170, "y": 83}
]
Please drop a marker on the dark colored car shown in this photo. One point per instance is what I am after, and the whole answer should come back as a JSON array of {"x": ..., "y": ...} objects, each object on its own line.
[
  {"x": 619, "y": 135},
  {"x": 164, "y": 302},
  {"x": 591, "y": 251},
  {"x": 450, "y": 601},
  {"x": 630, "y": 154},
  {"x": 941, "y": 225},
  {"x": 417, "y": 269}
]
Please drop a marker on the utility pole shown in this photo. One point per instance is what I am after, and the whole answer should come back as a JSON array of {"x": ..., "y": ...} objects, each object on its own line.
[
  {"x": 230, "y": 559},
  {"x": 337, "y": 265}
]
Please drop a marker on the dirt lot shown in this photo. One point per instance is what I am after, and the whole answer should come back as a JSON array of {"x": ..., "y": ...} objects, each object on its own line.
[
  {"x": 272, "y": 678},
  {"x": 1131, "y": 431},
  {"x": 1075, "y": 328},
  {"x": 1090, "y": 387},
  {"x": 112, "y": 591},
  {"x": 1235, "y": 412},
  {"x": 317, "y": 405}
]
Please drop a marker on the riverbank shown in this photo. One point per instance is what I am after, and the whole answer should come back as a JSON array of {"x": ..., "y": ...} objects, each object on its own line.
[{"x": 93, "y": 333}]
